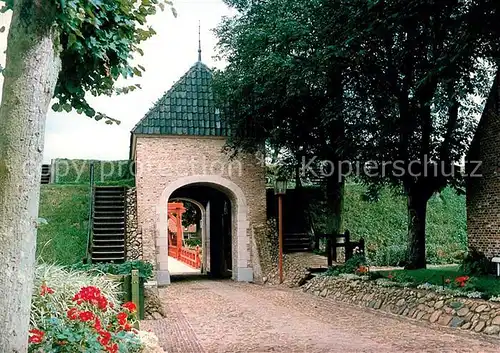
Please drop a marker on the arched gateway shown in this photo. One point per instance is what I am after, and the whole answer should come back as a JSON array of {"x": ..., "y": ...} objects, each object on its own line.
[{"x": 178, "y": 150}]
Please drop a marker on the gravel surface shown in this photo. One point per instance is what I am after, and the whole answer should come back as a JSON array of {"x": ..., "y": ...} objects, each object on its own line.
[{"x": 225, "y": 316}]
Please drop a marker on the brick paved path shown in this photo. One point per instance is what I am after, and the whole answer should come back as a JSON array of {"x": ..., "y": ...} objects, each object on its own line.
[{"x": 224, "y": 316}]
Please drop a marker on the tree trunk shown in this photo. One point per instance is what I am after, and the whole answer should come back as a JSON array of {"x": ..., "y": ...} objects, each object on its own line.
[
  {"x": 31, "y": 73},
  {"x": 417, "y": 211},
  {"x": 335, "y": 203}
]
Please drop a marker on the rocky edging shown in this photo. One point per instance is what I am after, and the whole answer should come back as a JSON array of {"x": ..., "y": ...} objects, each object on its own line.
[
  {"x": 153, "y": 307},
  {"x": 468, "y": 314}
]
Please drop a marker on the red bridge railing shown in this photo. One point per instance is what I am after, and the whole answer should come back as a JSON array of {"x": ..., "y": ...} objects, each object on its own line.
[{"x": 190, "y": 257}]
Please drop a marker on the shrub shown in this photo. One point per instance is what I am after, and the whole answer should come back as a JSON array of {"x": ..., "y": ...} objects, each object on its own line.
[
  {"x": 393, "y": 255},
  {"x": 475, "y": 263},
  {"x": 145, "y": 268},
  {"x": 193, "y": 242},
  {"x": 351, "y": 266},
  {"x": 73, "y": 311},
  {"x": 384, "y": 223}
]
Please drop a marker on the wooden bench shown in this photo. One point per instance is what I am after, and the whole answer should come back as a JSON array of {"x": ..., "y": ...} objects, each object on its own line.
[{"x": 334, "y": 241}]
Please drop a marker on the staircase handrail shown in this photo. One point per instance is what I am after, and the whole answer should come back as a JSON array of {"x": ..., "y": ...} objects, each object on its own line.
[{"x": 91, "y": 213}]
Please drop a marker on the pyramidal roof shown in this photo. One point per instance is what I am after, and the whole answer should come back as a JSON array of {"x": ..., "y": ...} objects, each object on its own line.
[{"x": 188, "y": 108}]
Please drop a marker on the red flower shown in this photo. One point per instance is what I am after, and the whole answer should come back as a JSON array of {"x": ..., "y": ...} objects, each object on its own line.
[
  {"x": 97, "y": 324},
  {"x": 130, "y": 306},
  {"x": 390, "y": 276},
  {"x": 127, "y": 327},
  {"x": 87, "y": 294},
  {"x": 45, "y": 290},
  {"x": 122, "y": 318},
  {"x": 36, "y": 336},
  {"x": 362, "y": 269},
  {"x": 461, "y": 280},
  {"x": 112, "y": 348},
  {"x": 104, "y": 338},
  {"x": 72, "y": 314},
  {"x": 85, "y": 316},
  {"x": 102, "y": 303}
]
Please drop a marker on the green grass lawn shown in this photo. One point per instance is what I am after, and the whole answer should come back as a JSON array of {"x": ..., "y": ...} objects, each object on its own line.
[
  {"x": 64, "y": 239},
  {"x": 489, "y": 285},
  {"x": 434, "y": 275}
]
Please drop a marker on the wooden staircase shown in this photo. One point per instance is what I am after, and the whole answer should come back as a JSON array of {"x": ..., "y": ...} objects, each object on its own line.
[
  {"x": 45, "y": 174},
  {"x": 296, "y": 242},
  {"x": 108, "y": 224}
]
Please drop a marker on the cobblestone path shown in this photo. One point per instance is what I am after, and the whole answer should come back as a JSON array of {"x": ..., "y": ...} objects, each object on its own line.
[{"x": 225, "y": 316}]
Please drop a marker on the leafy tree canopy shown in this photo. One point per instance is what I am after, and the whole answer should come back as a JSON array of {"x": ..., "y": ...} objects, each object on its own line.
[{"x": 98, "y": 41}]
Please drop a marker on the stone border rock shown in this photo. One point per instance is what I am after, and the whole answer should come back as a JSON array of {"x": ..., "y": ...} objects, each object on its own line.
[
  {"x": 153, "y": 307},
  {"x": 467, "y": 314}
]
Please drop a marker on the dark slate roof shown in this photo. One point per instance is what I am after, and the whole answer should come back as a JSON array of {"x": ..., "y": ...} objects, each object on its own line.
[{"x": 188, "y": 108}]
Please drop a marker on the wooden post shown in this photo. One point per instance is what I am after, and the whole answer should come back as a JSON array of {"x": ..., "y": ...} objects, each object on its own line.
[
  {"x": 197, "y": 258},
  {"x": 280, "y": 236},
  {"x": 362, "y": 246},
  {"x": 348, "y": 245},
  {"x": 179, "y": 233},
  {"x": 135, "y": 290},
  {"x": 329, "y": 247}
]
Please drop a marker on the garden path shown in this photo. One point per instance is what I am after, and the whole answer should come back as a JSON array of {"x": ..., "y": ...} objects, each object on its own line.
[
  {"x": 177, "y": 267},
  {"x": 225, "y": 316}
]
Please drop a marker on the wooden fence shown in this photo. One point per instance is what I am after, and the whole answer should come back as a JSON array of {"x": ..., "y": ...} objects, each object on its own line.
[
  {"x": 190, "y": 257},
  {"x": 132, "y": 286},
  {"x": 335, "y": 241}
]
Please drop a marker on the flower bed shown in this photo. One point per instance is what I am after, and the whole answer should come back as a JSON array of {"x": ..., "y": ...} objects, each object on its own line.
[
  {"x": 73, "y": 311},
  {"x": 428, "y": 302}
]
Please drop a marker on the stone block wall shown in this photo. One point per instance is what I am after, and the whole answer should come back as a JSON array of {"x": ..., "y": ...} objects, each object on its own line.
[
  {"x": 468, "y": 314},
  {"x": 133, "y": 236},
  {"x": 163, "y": 161},
  {"x": 483, "y": 193}
]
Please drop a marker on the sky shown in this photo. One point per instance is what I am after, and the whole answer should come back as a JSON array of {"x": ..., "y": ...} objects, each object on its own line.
[{"x": 168, "y": 55}]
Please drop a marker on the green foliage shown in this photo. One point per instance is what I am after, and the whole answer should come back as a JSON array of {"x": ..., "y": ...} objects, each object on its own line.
[
  {"x": 94, "y": 325},
  {"x": 436, "y": 276},
  {"x": 377, "y": 80},
  {"x": 446, "y": 276},
  {"x": 63, "y": 239},
  {"x": 383, "y": 224},
  {"x": 350, "y": 266},
  {"x": 475, "y": 263},
  {"x": 65, "y": 283},
  {"x": 99, "y": 40},
  {"x": 145, "y": 268},
  {"x": 193, "y": 242},
  {"x": 98, "y": 43},
  {"x": 390, "y": 255}
]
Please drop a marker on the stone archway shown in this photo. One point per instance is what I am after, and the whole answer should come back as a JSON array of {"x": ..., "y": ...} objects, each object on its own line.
[{"x": 241, "y": 271}]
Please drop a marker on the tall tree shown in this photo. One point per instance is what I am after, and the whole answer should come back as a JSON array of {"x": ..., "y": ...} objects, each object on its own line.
[
  {"x": 285, "y": 85},
  {"x": 61, "y": 48},
  {"x": 385, "y": 81},
  {"x": 418, "y": 65}
]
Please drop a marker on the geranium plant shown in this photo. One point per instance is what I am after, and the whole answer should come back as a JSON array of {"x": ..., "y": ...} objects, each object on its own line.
[{"x": 88, "y": 320}]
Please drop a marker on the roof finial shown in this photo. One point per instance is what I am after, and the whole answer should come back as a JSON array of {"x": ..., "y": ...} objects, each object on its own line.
[{"x": 199, "y": 40}]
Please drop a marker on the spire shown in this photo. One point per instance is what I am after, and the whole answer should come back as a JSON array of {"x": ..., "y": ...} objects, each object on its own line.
[{"x": 199, "y": 41}]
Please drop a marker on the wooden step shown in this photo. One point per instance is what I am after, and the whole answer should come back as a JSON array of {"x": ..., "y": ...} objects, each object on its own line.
[
  {"x": 109, "y": 224},
  {"x": 109, "y": 230},
  {"x": 104, "y": 241},
  {"x": 112, "y": 246}
]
